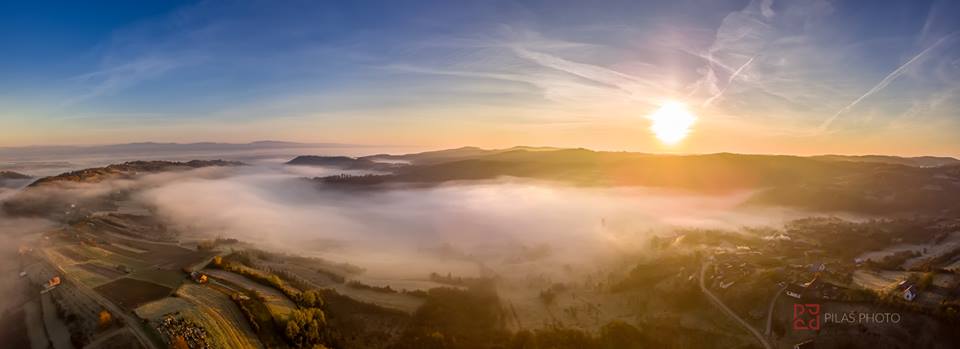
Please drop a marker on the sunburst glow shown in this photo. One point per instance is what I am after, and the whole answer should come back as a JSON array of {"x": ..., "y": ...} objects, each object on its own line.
[{"x": 671, "y": 123}]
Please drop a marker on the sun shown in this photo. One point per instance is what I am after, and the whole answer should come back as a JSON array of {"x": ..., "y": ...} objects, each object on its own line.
[{"x": 671, "y": 123}]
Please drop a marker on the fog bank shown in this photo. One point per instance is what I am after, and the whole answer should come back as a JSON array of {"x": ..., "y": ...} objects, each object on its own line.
[
  {"x": 466, "y": 228},
  {"x": 455, "y": 227}
]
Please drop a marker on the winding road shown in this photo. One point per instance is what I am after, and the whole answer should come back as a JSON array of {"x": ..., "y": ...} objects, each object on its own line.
[
  {"x": 729, "y": 312},
  {"x": 773, "y": 302}
]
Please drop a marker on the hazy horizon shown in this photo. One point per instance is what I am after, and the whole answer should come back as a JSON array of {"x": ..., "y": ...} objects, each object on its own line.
[
  {"x": 399, "y": 149},
  {"x": 762, "y": 76}
]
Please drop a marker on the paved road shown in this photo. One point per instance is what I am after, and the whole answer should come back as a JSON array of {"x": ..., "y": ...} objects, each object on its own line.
[
  {"x": 773, "y": 302},
  {"x": 726, "y": 310}
]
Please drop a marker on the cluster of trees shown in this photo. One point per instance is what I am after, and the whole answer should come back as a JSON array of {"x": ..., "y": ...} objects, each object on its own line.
[
  {"x": 449, "y": 279},
  {"x": 450, "y": 318},
  {"x": 332, "y": 275},
  {"x": 309, "y": 299},
  {"x": 650, "y": 272},
  {"x": 925, "y": 280},
  {"x": 472, "y": 318},
  {"x": 307, "y": 328},
  {"x": 938, "y": 261},
  {"x": 614, "y": 335},
  {"x": 362, "y": 286},
  {"x": 454, "y": 318},
  {"x": 268, "y": 279},
  {"x": 949, "y": 310},
  {"x": 209, "y": 245},
  {"x": 306, "y": 325},
  {"x": 550, "y": 294},
  {"x": 269, "y": 326},
  {"x": 856, "y": 294},
  {"x": 367, "y": 179},
  {"x": 893, "y": 261},
  {"x": 244, "y": 303},
  {"x": 249, "y": 257},
  {"x": 104, "y": 319}
]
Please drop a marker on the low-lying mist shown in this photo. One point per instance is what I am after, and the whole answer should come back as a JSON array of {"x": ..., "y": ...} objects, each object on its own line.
[
  {"x": 12, "y": 230},
  {"x": 461, "y": 227},
  {"x": 506, "y": 226}
]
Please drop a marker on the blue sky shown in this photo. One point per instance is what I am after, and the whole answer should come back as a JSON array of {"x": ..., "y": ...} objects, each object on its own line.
[{"x": 761, "y": 76}]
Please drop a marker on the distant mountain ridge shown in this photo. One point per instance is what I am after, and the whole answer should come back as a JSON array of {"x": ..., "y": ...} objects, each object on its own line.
[
  {"x": 51, "y": 196},
  {"x": 10, "y": 179},
  {"x": 12, "y": 175},
  {"x": 342, "y": 162},
  {"x": 129, "y": 169},
  {"x": 918, "y": 161},
  {"x": 153, "y": 147},
  {"x": 471, "y": 152},
  {"x": 452, "y": 154},
  {"x": 869, "y": 186}
]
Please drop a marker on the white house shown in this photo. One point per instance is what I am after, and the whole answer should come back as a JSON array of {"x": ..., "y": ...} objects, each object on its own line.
[
  {"x": 795, "y": 291},
  {"x": 910, "y": 293}
]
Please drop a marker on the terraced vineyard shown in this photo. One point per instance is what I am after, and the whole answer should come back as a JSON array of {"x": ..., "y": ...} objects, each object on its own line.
[{"x": 217, "y": 314}]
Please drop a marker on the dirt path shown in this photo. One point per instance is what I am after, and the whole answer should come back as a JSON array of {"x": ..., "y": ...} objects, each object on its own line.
[{"x": 729, "y": 312}]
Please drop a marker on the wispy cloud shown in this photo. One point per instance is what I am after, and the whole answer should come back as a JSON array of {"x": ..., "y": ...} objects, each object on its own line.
[
  {"x": 629, "y": 86},
  {"x": 741, "y": 37},
  {"x": 116, "y": 78},
  {"x": 730, "y": 81},
  {"x": 881, "y": 85}
]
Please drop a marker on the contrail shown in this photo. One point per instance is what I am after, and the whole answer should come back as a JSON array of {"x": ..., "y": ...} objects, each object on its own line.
[
  {"x": 729, "y": 81},
  {"x": 883, "y": 83}
]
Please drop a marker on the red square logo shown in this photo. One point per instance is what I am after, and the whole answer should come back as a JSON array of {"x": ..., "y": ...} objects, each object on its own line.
[{"x": 806, "y": 317}]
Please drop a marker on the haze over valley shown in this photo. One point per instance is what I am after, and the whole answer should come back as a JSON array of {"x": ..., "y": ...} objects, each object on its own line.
[
  {"x": 563, "y": 238},
  {"x": 489, "y": 174}
]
